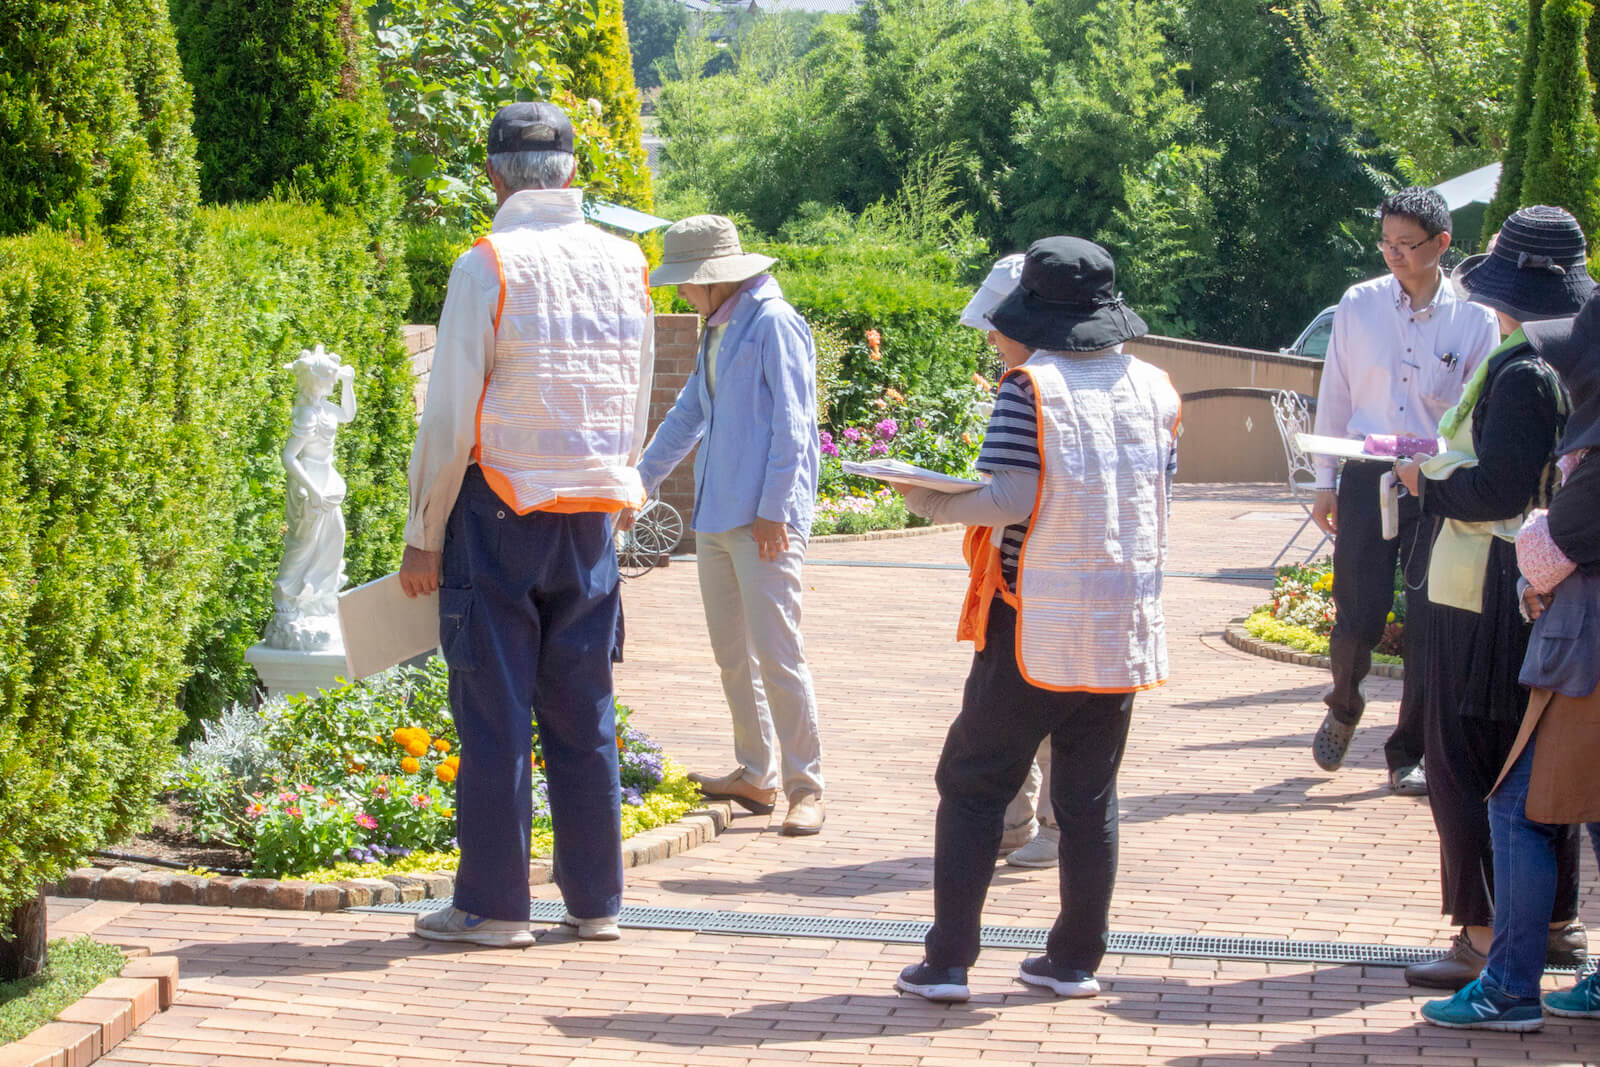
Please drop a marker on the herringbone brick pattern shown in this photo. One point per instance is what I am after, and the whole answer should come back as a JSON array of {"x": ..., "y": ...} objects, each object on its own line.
[{"x": 1228, "y": 828}]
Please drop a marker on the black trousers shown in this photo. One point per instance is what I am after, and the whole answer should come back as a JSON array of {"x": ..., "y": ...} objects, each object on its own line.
[
  {"x": 985, "y": 760},
  {"x": 1363, "y": 595}
]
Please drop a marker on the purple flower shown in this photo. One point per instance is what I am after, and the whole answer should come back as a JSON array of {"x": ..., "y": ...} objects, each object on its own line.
[
  {"x": 632, "y": 797},
  {"x": 826, "y": 438},
  {"x": 829, "y": 448},
  {"x": 920, "y": 423},
  {"x": 878, "y": 449},
  {"x": 886, "y": 429},
  {"x": 852, "y": 434}
]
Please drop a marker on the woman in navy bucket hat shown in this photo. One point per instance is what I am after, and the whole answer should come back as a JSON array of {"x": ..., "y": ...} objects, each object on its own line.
[{"x": 1502, "y": 437}]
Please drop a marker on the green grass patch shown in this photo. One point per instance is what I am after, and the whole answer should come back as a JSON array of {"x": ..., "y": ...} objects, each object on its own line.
[
  {"x": 1263, "y": 627},
  {"x": 74, "y": 968},
  {"x": 668, "y": 802}
]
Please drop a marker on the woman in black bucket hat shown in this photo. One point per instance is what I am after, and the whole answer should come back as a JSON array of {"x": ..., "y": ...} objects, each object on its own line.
[{"x": 1501, "y": 440}]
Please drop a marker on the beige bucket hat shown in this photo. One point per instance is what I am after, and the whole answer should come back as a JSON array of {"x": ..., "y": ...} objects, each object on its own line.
[{"x": 704, "y": 250}]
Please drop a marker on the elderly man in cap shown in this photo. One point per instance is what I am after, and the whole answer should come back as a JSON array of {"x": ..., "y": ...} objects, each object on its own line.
[
  {"x": 535, "y": 413},
  {"x": 1067, "y": 543},
  {"x": 751, "y": 406}
]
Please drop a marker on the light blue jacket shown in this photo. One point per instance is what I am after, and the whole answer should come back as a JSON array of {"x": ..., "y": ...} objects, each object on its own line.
[{"x": 759, "y": 453}]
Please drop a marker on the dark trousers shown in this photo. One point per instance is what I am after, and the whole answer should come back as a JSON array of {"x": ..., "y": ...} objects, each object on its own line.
[
  {"x": 527, "y": 622},
  {"x": 985, "y": 760},
  {"x": 1363, "y": 595},
  {"x": 1466, "y": 755}
]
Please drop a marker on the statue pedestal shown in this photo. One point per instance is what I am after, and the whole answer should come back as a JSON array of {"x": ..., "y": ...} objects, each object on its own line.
[{"x": 284, "y": 672}]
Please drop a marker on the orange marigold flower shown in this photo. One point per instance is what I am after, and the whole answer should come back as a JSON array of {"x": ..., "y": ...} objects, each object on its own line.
[
  {"x": 442, "y": 745},
  {"x": 410, "y": 766},
  {"x": 416, "y": 746},
  {"x": 966, "y": 438},
  {"x": 894, "y": 395},
  {"x": 445, "y": 773},
  {"x": 874, "y": 339},
  {"x": 454, "y": 762}
]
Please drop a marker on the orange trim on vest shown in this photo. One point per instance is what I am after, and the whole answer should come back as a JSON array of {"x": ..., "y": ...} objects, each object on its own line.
[{"x": 500, "y": 272}]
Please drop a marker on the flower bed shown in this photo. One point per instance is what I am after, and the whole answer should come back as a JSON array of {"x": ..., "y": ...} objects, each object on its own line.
[
  {"x": 360, "y": 781},
  {"x": 1301, "y": 612},
  {"x": 856, "y": 513}
]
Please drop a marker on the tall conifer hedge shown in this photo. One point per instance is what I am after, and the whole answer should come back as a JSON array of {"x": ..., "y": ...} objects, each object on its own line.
[
  {"x": 1563, "y": 162},
  {"x": 1508, "y": 193}
]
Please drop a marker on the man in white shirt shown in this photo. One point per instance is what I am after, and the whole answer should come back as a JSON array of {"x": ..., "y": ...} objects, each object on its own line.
[
  {"x": 535, "y": 418},
  {"x": 1402, "y": 347}
]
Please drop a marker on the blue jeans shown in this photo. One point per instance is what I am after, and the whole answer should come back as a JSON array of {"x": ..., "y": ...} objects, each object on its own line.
[
  {"x": 1524, "y": 882},
  {"x": 528, "y": 621}
]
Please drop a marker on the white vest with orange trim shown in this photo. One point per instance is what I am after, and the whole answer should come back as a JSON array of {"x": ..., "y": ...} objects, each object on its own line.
[
  {"x": 557, "y": 421},
  {"x": 1088, "y": 593}
]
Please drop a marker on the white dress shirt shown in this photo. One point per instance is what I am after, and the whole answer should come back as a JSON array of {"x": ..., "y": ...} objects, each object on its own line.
[
  {"x": 463, "y": 358},
  {"x": 1394, "y": 369}
]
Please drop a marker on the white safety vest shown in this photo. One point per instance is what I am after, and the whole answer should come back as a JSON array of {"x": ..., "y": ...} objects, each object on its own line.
[
  {"x": 1089, "y": 577},
  {"x": 556, "y": 421}
]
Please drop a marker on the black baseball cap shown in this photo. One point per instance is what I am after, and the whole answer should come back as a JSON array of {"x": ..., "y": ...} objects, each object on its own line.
[{"x": 530, "y": 127}]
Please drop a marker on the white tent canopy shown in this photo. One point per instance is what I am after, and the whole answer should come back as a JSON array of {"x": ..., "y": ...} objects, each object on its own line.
[{"x": 1473, "y": 187}]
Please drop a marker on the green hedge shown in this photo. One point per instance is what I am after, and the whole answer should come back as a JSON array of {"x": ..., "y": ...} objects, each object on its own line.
[
  {"x": 141, "y": 496},
  {"x": 288, "y": 277},
  {"x": 109, "y": 538}
]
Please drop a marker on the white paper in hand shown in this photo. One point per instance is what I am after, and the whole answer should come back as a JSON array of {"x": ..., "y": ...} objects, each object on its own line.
[
  {"x": 894, "y": 470},
  {"x": 382, "y": 626}
]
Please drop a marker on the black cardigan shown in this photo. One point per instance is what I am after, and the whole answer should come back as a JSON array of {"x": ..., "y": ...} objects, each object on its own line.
[{"x": 1575, "y": 514}]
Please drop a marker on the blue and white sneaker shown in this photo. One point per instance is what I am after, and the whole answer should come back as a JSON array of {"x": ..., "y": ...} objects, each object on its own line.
[
  {"x": 1582, "y": 1001},
  {"x": 1477, "y": 1007},
  {"x": 453, "y": 924},
  {"x": 1062, "y": 981},
  {"x": 947, "y": 985}
]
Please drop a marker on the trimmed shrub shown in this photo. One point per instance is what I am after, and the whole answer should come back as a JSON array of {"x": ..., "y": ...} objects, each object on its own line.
[
  {"x": 94, "y": 121},
  {"x": 1508, "y": 193},
  {"x": 1563, "y": 163},
  {"x": 294, "y": 276},
  {"x": 109, "y": 535},
  {"x": 430, "y": 253},
  {"x": 287, "y": 102},
  {"x": 602, "y": 70}
]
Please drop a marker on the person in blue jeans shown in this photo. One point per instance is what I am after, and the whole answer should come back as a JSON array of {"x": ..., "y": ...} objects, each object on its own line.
[{"x": 1549, "y": 781}]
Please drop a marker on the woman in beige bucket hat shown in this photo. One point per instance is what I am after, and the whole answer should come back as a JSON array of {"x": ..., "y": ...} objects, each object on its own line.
[{"x": 751, "y": 407}]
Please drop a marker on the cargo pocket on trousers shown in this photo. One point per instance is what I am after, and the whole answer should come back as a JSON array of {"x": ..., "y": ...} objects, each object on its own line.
[{"x": 455, "y": 628}]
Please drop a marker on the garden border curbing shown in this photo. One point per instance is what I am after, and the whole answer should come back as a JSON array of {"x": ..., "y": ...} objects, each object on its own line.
[
  {"x": 696, "y": 827},
  {"x": 1236, "y": 635},
  {"x": 111, "y": 1011},
  {"x": 886, "y": 535}
]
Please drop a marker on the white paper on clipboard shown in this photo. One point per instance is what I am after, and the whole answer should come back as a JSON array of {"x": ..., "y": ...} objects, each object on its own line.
[
  {"x": 894, "y": 470},
  {"x": 382, "y": 626},
  {"x": 1318, "y": 444}
]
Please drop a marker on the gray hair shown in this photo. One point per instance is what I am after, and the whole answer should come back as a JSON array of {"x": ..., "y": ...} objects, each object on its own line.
[{"x": 534, "y": 170}]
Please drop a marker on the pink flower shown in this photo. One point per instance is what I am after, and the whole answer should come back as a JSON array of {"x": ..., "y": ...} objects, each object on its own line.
[
  {"x": 287, "y": 798},
  {"x": 419, "y": 800},
  {"x": 829, "y": 448},
  {"x": 852, "y": 434},
  {"x": 878, "y": 449},
  {"x": 887, "y": 429},
  {"x": 292, "y": 812},
  {"x": 366, "y": 822},
  {"x": 255, "y": 811},
  {"x": 920, "y": 423}
]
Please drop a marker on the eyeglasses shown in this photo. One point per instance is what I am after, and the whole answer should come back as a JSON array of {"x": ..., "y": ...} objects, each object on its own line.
[{"x": 1401, "y": 248}]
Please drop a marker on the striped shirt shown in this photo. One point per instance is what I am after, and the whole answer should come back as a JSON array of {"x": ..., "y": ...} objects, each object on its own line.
[{"x": 1011, "y": 440}]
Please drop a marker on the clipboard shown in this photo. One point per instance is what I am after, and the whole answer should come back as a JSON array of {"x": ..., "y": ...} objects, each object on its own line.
[
  {"x": 894, "y": 470},
  {"x": 1344, "y": 447},
  {"x": 382, "y": 626}
]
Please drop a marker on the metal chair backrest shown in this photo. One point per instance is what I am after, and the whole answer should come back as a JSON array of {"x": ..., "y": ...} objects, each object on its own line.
[{"x": 1292, "y": 412}]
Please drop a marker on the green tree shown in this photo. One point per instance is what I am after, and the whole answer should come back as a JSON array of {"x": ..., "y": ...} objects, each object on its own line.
[
  {"x": 1563, "y": 163},
  {"x": 1431, "y": 79},
  {"x": 287, "y": 102},
  {"x": 653, "y": 29},
  {"x": 1508, "y": 193}
]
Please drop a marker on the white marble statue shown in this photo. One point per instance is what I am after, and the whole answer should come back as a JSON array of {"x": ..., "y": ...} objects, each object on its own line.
[{"x": 305, "y": 598}]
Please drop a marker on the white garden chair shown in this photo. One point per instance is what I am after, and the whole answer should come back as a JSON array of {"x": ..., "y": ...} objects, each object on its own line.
[{"x": 1292, "y": 412}]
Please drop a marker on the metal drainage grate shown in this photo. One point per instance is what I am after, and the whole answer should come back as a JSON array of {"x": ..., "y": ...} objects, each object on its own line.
[{"x": 1022, "y": 937}]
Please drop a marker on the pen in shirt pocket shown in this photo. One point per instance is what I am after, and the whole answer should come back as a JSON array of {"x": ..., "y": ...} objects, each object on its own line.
[{"x": 1449, "y": 359}]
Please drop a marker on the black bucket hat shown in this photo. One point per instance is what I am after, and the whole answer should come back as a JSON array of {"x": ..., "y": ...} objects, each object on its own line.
[
  {"x": 1066, "y": 300},
  {"x": 1572, "y": 346},
  {"x": 1536, "y": 268}
]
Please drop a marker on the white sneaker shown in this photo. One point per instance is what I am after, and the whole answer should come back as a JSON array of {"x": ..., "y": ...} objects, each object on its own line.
[
  {"x": 603, "y": 929},
  {"x": 453, "y": 924},
  {"x": 1042, "y": 851}
]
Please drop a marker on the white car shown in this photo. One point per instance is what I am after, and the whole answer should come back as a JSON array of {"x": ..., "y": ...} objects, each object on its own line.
[{"x": 1313, "y": 340}]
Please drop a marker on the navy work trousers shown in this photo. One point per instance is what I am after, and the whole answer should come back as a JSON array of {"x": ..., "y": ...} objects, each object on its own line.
[
  {"x": 527, "y": 621},
  {"x": 986, "y": 758}
]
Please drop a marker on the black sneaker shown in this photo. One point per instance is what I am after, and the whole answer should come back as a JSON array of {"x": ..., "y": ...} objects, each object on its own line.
[
  {"x": 948, "y": 985},
  {"x": 1062, "y": 981}
]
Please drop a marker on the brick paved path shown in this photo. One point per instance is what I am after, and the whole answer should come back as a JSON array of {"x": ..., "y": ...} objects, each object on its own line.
[{"x": 1229, "y": 828}]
